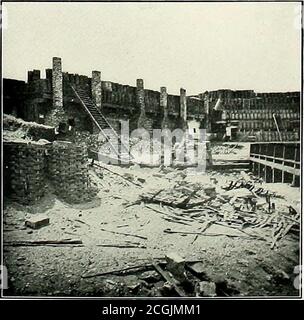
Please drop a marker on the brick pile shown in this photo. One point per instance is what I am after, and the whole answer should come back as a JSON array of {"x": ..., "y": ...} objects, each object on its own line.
[
  {"x": 26, "y": 164},
  {"x": 68, "y": 171}
]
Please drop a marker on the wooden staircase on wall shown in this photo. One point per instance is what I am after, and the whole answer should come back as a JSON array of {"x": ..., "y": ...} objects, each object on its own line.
[{"x": 117, "y": 146}]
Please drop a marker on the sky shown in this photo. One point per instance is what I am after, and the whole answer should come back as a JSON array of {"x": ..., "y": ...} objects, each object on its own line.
[{"x": 197, "y": 46}]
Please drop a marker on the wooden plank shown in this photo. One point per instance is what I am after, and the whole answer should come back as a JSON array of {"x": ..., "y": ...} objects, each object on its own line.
[
  {"x": 168, "y": 278},
  {"x": 278, "y": 166},
  {"x": 258, "y": 156}
]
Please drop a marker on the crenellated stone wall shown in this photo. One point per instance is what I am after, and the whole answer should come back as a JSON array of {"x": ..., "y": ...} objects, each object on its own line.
[{"x": 51, "y": 101}]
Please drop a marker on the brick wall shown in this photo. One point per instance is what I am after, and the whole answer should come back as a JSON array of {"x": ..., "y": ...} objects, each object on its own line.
[
  {"x": 24, "y": 171},
  {"x": 68, "y": 172},
  {"x": 29, "y": 168}
]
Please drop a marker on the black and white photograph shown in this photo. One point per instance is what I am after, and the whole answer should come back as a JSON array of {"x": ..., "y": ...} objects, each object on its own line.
[{"x": 151, "y": 150}]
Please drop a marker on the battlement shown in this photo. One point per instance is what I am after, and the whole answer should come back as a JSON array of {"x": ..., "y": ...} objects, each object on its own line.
[{"x": 41, "y": 99}]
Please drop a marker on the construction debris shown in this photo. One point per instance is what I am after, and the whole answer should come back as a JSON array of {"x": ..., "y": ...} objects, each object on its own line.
[
  {"x": 197, "y": 268},
  {"x": 172, "y": 282},
  {"x": 33, "y": 243},
  {"x": 176, "y": 265},
  {"x": 239, "y": 204},
  {"x": 125, "y": 234},
  {"x": 128, "y": 245},
  {"x": 190, "y": 210},
  {"x": 150, "y": 276},
  {"x": 37, "y": 222},
  {"x": 126, "y": 178},
  {"x": 206, "y": 289}
]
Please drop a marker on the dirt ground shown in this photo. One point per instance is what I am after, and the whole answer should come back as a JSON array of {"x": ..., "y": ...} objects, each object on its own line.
[{"x": 249, "y": 266}]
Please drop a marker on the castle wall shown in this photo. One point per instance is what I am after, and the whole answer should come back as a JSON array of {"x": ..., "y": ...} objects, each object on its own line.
[{"x": 52, "y": 100}]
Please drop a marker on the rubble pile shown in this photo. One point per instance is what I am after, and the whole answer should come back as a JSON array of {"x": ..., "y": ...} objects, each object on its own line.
[
  {"x": 225, "y": 149},
  {"x": 241, "y": 204},
  {"x": 170, "y": 276},
  {"x": 160, "y": 232}
]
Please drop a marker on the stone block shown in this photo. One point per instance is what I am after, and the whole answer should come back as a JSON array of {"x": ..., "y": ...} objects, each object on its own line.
[
  {"x": 197, "y": 268},
  {"x": 150, "y": 276},
  {"x": 176, "y": 265},
  {"x": 37, "y": 222},
  {"x": 206, "y": 289},
  {"x": 210, "y": 191}
]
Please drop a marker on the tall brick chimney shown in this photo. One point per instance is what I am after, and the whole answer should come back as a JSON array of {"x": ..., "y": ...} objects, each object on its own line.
[
  {"x": 164, "y": 107},
  {"x": 183, "y": 108},
  {"x": 57, "y": 114},
  {"x": 140, "y": 95},
  {"x": 96, "y": 88},
  {"x": 140, "y": 101},
  {"x": 57, "y": 83},
  {"x": 143, "y": 121}
]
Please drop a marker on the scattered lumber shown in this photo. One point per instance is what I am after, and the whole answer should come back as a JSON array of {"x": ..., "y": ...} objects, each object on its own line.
[
  {"x": 176, "y": 221},
  {"x": 281, "y": 234},
  {"x": 207, "y": 224},
  {"x": 206, "y": 234},
  {"x": 33, "y": 243},
  {"x": 124, "y": 234},
  {"x": 117, "y": 174},
  {"x": 80, "y": 221},
  {"x": 122, "y": 246},
  {"x": 169, "y": 279},
  {"x": 240, "y": 230},
  {"x": 119, "y": 271},
  {"x": 169, "y": 215}
]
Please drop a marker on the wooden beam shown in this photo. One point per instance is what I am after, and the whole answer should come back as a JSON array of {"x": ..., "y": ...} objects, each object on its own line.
[
  {"x": 278, "y": 166},
  {"x": 170, "y": 279}
]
